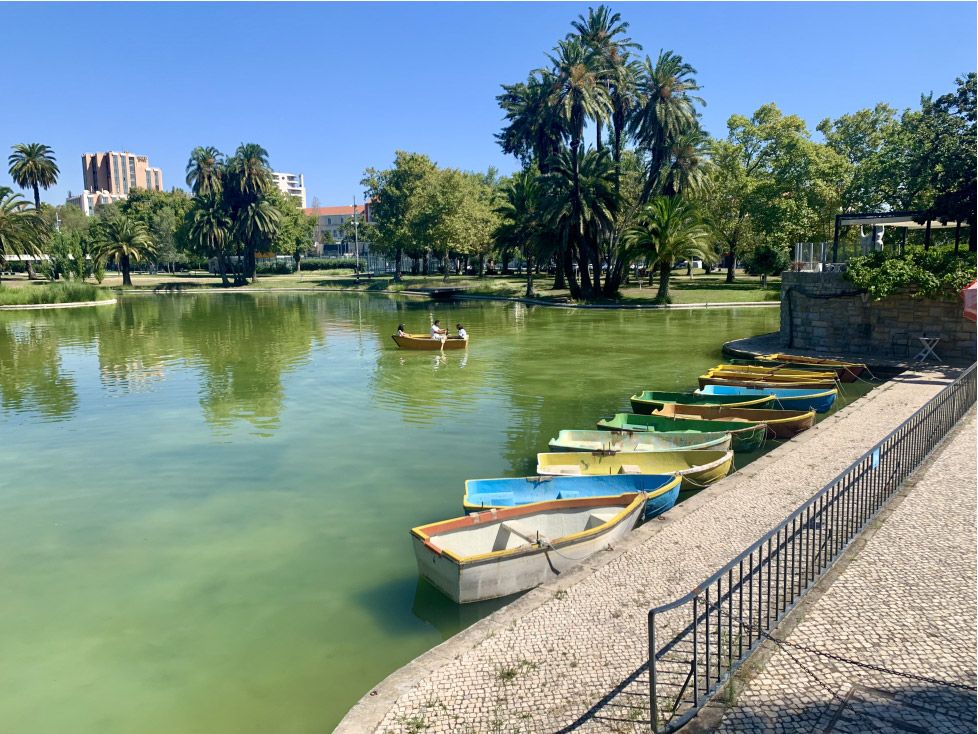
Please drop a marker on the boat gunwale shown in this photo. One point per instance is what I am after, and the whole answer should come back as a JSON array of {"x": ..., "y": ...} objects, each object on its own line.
[
  {"x": 800, "y": 416},
  {"x": 815, "y": 392},
  {"x": 728, "y": 456},
  {"x": 756, "y": 400},
  {"x": 747, "y": 427},
  {"x": 704, "y": 446},
  {"x": 760, "y": 384},
  {"x": 470, "y": 520}
]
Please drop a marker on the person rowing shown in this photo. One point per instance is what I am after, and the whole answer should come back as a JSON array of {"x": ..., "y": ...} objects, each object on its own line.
[{"x": 437, "y": 332}]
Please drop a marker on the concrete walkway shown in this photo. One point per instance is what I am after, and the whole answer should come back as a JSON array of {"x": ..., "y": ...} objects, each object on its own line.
[
  {"x": 906, "y": 602},
  {"x": 549, "y": 660}
]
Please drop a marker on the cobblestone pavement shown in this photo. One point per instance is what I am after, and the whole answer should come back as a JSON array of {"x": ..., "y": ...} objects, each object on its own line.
[
  {"x": 905, "y": 602},
  {"x": 542, "y": 663}
]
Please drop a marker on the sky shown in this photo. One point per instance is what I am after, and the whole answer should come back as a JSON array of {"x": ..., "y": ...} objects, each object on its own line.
[{"x": 331, "y": 89}]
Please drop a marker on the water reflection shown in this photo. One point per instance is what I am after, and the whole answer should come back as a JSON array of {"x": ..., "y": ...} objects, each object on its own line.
[
  {"x": 31, "y": 376},
  {"x": 449, "y": 618}
]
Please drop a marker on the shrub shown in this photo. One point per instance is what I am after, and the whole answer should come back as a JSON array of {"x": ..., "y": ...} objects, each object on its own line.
[
  {"x": 278, "y": 267},
  {"x": 71, "y": 292},
  {"x": 935, "y": 273},
  {"x": 329, "y": 263}
]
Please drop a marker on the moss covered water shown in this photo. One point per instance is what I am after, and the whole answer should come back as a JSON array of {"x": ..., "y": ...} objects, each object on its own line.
[{"x": 205, "y": 500}]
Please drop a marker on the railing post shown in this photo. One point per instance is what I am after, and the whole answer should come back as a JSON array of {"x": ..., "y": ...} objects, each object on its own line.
[{"x": 653, "y": 696}]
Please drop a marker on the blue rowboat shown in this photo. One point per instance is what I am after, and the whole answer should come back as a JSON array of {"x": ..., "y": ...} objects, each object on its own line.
[
  {"x": 784, "y": 398},
  {"x": 484, "y": 494}
]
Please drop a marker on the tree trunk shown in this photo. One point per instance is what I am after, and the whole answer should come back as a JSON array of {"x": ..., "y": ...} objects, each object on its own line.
[
  {"x": 124, "y": 266},
  {"x": 482, "y": 265},
  {"x": 560, "y": 281},
  {"x": 31, "y": 275},
  {"x": 529, "y": 277},
  {"x": 445, "y": 264},
  {"x": 425, "y": 263},
  {"x": 689, "y": 268},
  {"x": 568, "y": 263},
  {"x": 397, "y": 264},
  {"x": 222, "y": 269},
  {"x": 763, "y": 280},
  {"x": 664, "y": 271},
  {"x": 505, "y": 255},
  {"x": 731, "y": 263}
]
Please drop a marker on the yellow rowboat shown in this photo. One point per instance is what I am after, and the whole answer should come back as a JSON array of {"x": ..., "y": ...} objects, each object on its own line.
[
  {"x": 780, "y": 423},
  {"x": 776, "y": 372},
  {"x": 696, "y": 468},
  {"x": 847, "y": 371},
  {"x": 425, "y": 343},
  {"x": 732, "y": 379},
  {"x": 734, "y": 374}
]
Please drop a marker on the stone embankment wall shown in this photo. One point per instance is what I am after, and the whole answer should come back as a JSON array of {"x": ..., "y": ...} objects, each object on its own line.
[{"x": 824, "y": 312}]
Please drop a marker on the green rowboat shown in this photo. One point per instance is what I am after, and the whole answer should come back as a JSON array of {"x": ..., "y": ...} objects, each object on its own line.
[
  {"x": 745, "y": 437},
  {"x": 650, "y": 400}
]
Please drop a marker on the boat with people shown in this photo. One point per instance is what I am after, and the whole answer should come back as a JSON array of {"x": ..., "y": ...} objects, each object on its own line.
[
  {"x": 787, "y": 398},
  {"x": 648, "y": 401},
  {"x": 424, "y": 342},
  {"x": 661, "y": 490},
  {"x": 697, "y": 468},
  {"x": 780, "y": 423},
  {"x": 487, "y": 555},
  {"x": 611, "y": 442},
  {"x": 744, "y": 437}
]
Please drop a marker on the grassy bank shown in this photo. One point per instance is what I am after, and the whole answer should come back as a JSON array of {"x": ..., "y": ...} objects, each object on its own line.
[
  {"x": 37, "y": 293},
  {"x": 700, "y": 288}
]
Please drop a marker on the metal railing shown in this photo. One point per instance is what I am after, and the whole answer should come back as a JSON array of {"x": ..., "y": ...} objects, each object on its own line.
[{"x": 697, "y": 642}]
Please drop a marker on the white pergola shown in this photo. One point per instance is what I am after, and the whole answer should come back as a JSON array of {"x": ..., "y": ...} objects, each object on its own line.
[{"x": 906, "y": 220}]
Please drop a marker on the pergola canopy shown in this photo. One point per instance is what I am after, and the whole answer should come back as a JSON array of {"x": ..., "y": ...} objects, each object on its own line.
[{"x": 907, "y": 220}]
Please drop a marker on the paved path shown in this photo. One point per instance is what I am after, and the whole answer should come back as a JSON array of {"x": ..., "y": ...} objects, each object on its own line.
[
  {"x": 906, "y": 601},
  {"x": 545, "y": 661}
]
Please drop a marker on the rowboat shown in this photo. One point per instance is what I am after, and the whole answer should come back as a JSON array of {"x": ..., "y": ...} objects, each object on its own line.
[
  {"x": 787, "y": 398},
  {"x": 650, "y": 400},
  {"x": 500, "y": 552},
  {"x": 613, "y": 441},
  {"x": 744, "y": 437},
  {"x": 732, "y": 380},
  {"x": 780, "y": 423},
  {"x": 843, "y": 374},
  {"x": 847, "y": 371},
  {"x": 426, "y": 343},
  {"x": 660, "y": 490},
  {"x": 696, "y": 468},
  {"x": 776, "y": 371}
]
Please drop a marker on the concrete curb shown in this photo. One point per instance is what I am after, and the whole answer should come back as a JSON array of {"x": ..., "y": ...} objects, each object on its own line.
[
  {"x": 47, "y": 306},
  {"x": 367, "y": 714}
]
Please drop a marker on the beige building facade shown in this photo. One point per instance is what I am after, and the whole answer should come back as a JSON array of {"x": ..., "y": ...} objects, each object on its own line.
[{"x": 118, "y": 173}]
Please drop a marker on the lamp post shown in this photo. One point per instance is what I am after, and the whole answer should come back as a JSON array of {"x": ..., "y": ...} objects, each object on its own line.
[{"x": 356, "y": 240}]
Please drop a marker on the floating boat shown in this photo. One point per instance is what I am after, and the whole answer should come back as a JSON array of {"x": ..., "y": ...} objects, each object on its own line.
[
  {"x": 786, "y": 398},
  {"x": 733, "y": 380},
  {"x": 425, "y": 343},
  {"x": 777, "y": 372},
  {"x": 744, "y": 436},
  {"x": 780, "y": 423},
  {"x": 660, "y": 490},
  {"x": 610, "y": 442},
  {"x": 650, "y": 400},
  {"x": 843, "y": 374},
  {"x": 500, "y": 552},
  {"x": 847, "y": 371},
  {"x": 696, "y": 468}
]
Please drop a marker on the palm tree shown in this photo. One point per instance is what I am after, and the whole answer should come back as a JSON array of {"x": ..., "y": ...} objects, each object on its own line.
[
  {"x": 519, "y": 212},
  {"x": 254, "y": 219},
  {"x": 590, "y": 216},
  {"x": 250, "y": 169},
  {"x": 255, "y": 225},
  {"x": 686, "y": 167},
  {"x": 21, "y": 228},
  {"x": 205, "y": 170},
  {"x": 579, "y": 94},
  {"x": 210, "y": 230},
  {"x": 32, "y": 165},
  {"x": 669, "y": 228},
  {"x": 532, "y": 133},
  {"x": 125, "y": 240},
  {"x": 666, "y": 110}
]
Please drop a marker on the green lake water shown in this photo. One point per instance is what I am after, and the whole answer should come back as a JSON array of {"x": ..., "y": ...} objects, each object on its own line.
[{"x": 205, "y": 500}]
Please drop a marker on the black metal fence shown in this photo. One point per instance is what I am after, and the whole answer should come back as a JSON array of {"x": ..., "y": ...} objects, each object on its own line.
[{"x": 697, "y": 642}]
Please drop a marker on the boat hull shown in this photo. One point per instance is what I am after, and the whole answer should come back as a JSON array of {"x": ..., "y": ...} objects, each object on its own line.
[
  {"x": 744, "y": 437},
  {"x": 742, "y": 381},
  {"x": 785, "y": 398},
  {"x": 651, "y": 400},
  {"x": 696, "y": 468},
  {"x": 510, "y": 570},
  {"x": 422, "y": 343},
  {"x": 780, "y": 424},
  {"x": 614, "y": 441},
  {"x": 847, "y": 371}
]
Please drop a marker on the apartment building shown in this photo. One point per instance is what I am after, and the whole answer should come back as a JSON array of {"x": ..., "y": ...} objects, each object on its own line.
[
  {"x": 118, "y": 173},
  {"x": 292, "y": 185},
  {"x": 330, "y": 221}
]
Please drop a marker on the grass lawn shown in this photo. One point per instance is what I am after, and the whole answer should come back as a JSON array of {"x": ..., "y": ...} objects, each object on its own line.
[
  {"x": 24, "y": 292},
  {"x": 700, "y": 288}
]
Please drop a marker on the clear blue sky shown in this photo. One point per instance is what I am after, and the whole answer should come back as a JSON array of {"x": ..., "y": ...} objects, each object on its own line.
[{"x": 330, "y": 89}]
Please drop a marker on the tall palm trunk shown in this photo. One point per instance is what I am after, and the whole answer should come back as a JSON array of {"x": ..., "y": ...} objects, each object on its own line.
[
  {"x": 31, "y": 274},
  {"x": 222, "y": 268},
  {"x": 529, "y": 276},
  {"x": 662, "y": 296},
  {"x": 124, "y": 266},
  {"x": 560, "y": 279}
]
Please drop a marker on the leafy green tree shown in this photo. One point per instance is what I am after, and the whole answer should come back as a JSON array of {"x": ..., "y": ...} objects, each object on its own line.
[
  {"x": 395, "y": 195},
  {"x": 22, "y": 230},
  {"x": 163, "y": 213},
  {"x": 294, "y": 234},
  {"x": 669, "y": 229},
  {"x": 32, "y": 165},
  {"x": 765, "y": 260},
  {"x": 125, "y": 240},
  {"x": 255, "y": 219},
  {"x": 209, "y": 230},
  {"x": 519, "y": 211}
]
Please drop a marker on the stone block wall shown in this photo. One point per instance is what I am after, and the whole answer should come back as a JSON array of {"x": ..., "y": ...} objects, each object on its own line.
[{"x": 824, "y": 312}]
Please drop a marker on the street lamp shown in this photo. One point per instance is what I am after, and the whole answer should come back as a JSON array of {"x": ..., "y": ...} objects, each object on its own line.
[{"x": 356, "y": 241}]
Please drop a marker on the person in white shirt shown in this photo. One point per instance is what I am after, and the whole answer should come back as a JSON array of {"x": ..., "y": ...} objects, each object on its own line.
[
  {"x": 437, "y": 332},
  {"x": 400, "y": 330},
  {"x": 462, "y": 333}
]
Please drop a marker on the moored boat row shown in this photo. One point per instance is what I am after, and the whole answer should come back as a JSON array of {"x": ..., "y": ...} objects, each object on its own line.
[{"x": 594, "y": 486}]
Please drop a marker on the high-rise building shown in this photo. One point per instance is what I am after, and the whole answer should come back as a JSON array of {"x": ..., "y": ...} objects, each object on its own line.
[
  {"x": 291, "y": 185},
  {"x": 118, "y": 173}
]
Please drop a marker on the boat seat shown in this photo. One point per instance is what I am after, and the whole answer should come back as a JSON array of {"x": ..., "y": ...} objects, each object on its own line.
[
  {"x": 630, "y": 469},
  {"x": 593, "y": 521},
  {"x": 530, "y": 536}
]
